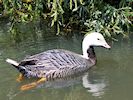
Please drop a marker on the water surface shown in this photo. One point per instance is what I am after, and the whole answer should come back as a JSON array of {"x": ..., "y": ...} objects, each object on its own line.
[{"x": 110, "y": 79}]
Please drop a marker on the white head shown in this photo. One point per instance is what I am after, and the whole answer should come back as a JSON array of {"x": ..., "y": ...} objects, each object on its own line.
[{"x": 93, "y": 39}]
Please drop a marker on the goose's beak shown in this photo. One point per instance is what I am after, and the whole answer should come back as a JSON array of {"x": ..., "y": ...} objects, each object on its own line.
[{"x": 106, "y": 46}]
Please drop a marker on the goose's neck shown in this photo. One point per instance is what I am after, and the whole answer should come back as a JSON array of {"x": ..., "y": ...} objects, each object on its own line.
[
  {"x": 88, "y": 50},
  {"x": 89, "y": 53}
]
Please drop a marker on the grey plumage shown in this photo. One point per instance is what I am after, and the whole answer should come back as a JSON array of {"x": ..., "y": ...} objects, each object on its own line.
[{"x": 55, "y": 63}]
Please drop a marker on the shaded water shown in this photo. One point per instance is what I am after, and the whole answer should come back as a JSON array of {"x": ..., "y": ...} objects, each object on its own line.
[{"x": 110, "y": 79}]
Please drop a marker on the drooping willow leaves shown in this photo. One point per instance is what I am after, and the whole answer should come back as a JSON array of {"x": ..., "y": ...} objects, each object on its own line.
[{"x": 84, "y": 15}]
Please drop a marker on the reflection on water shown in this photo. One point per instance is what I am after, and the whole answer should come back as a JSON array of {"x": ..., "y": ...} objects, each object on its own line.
[
  {"x": 97, "y": 89},
  {"x": 97, "y": 83},
  {"x": 62, "y": 83},
  {"x": 110, "y": 79},
  {"x": 11, "y": 95}
]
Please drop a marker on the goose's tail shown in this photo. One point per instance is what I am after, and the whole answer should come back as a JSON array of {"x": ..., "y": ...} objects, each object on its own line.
[
  {"x": 13, "y": 62},
  {"x": 21, "y": 69}
]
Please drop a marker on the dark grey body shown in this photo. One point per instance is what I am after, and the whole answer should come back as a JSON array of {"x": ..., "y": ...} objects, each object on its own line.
[{"x": 55, "y": 63}]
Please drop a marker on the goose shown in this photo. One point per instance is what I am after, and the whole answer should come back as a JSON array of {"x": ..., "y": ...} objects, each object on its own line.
[{"x": 59, "y": 63}]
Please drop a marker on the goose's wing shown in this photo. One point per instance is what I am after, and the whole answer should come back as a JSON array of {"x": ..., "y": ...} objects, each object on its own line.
[{"x": 53, "y": 60}]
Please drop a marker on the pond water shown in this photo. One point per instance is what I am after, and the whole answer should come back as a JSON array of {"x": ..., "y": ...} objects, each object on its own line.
[{"x": 110, "y": 79}]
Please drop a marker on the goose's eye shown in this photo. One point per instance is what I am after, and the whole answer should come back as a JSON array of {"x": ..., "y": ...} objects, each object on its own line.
[{"x": 98, "y": 39}]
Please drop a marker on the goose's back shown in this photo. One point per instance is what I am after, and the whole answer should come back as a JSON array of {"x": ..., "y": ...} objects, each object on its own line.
[{"x": 54, "y": 63}]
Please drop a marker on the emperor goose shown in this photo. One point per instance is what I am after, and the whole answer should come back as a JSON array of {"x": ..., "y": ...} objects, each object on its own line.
[{"x": 59, "y": 63}]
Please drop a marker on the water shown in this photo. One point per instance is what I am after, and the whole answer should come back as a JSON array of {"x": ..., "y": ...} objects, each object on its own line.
[{"x": 110, "y": 79}]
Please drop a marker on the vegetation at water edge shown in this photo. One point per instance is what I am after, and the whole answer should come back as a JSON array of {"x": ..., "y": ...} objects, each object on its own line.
[{"x": 111, "y": 17}]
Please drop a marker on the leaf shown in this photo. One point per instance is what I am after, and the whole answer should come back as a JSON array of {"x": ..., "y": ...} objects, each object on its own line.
[
  {"x": 60, "y": 7},
  {"x": 71, "y": 4},
  {"x": 107, "y": 12},
  {"x": 53, "y": 14},
  {"x": 116, "y": 27},
  {"x": 75, "y": 9},
  {"x": 48, "y": 4},
  {"x": 52, "y": 24},
  {"x": 80, "y": 12},
  {"x": 87, "y": 24},
  {"x": 55, "y": 17},
  {"x": 75, "y": 2},
  {"x": 58, "y": 29},
  {"x": 112, "y": 20},
  {"x": 107, "y": 33},
  {"x": 114, "y": 14},
  {"x": 81, "y": 1},
  {"x": 30, "y": 7}
]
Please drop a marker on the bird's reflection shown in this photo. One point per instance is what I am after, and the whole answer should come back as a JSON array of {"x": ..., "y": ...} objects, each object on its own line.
[
  {"x": 66, "y": 82},
  {"x": 91, "y": 82},
  {"x": 97, "y": 89}
]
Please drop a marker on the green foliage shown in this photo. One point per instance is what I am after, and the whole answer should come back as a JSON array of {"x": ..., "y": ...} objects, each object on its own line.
[
  {"x": 110, "y": 21},
  {"x": 84, "y": 15}
]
